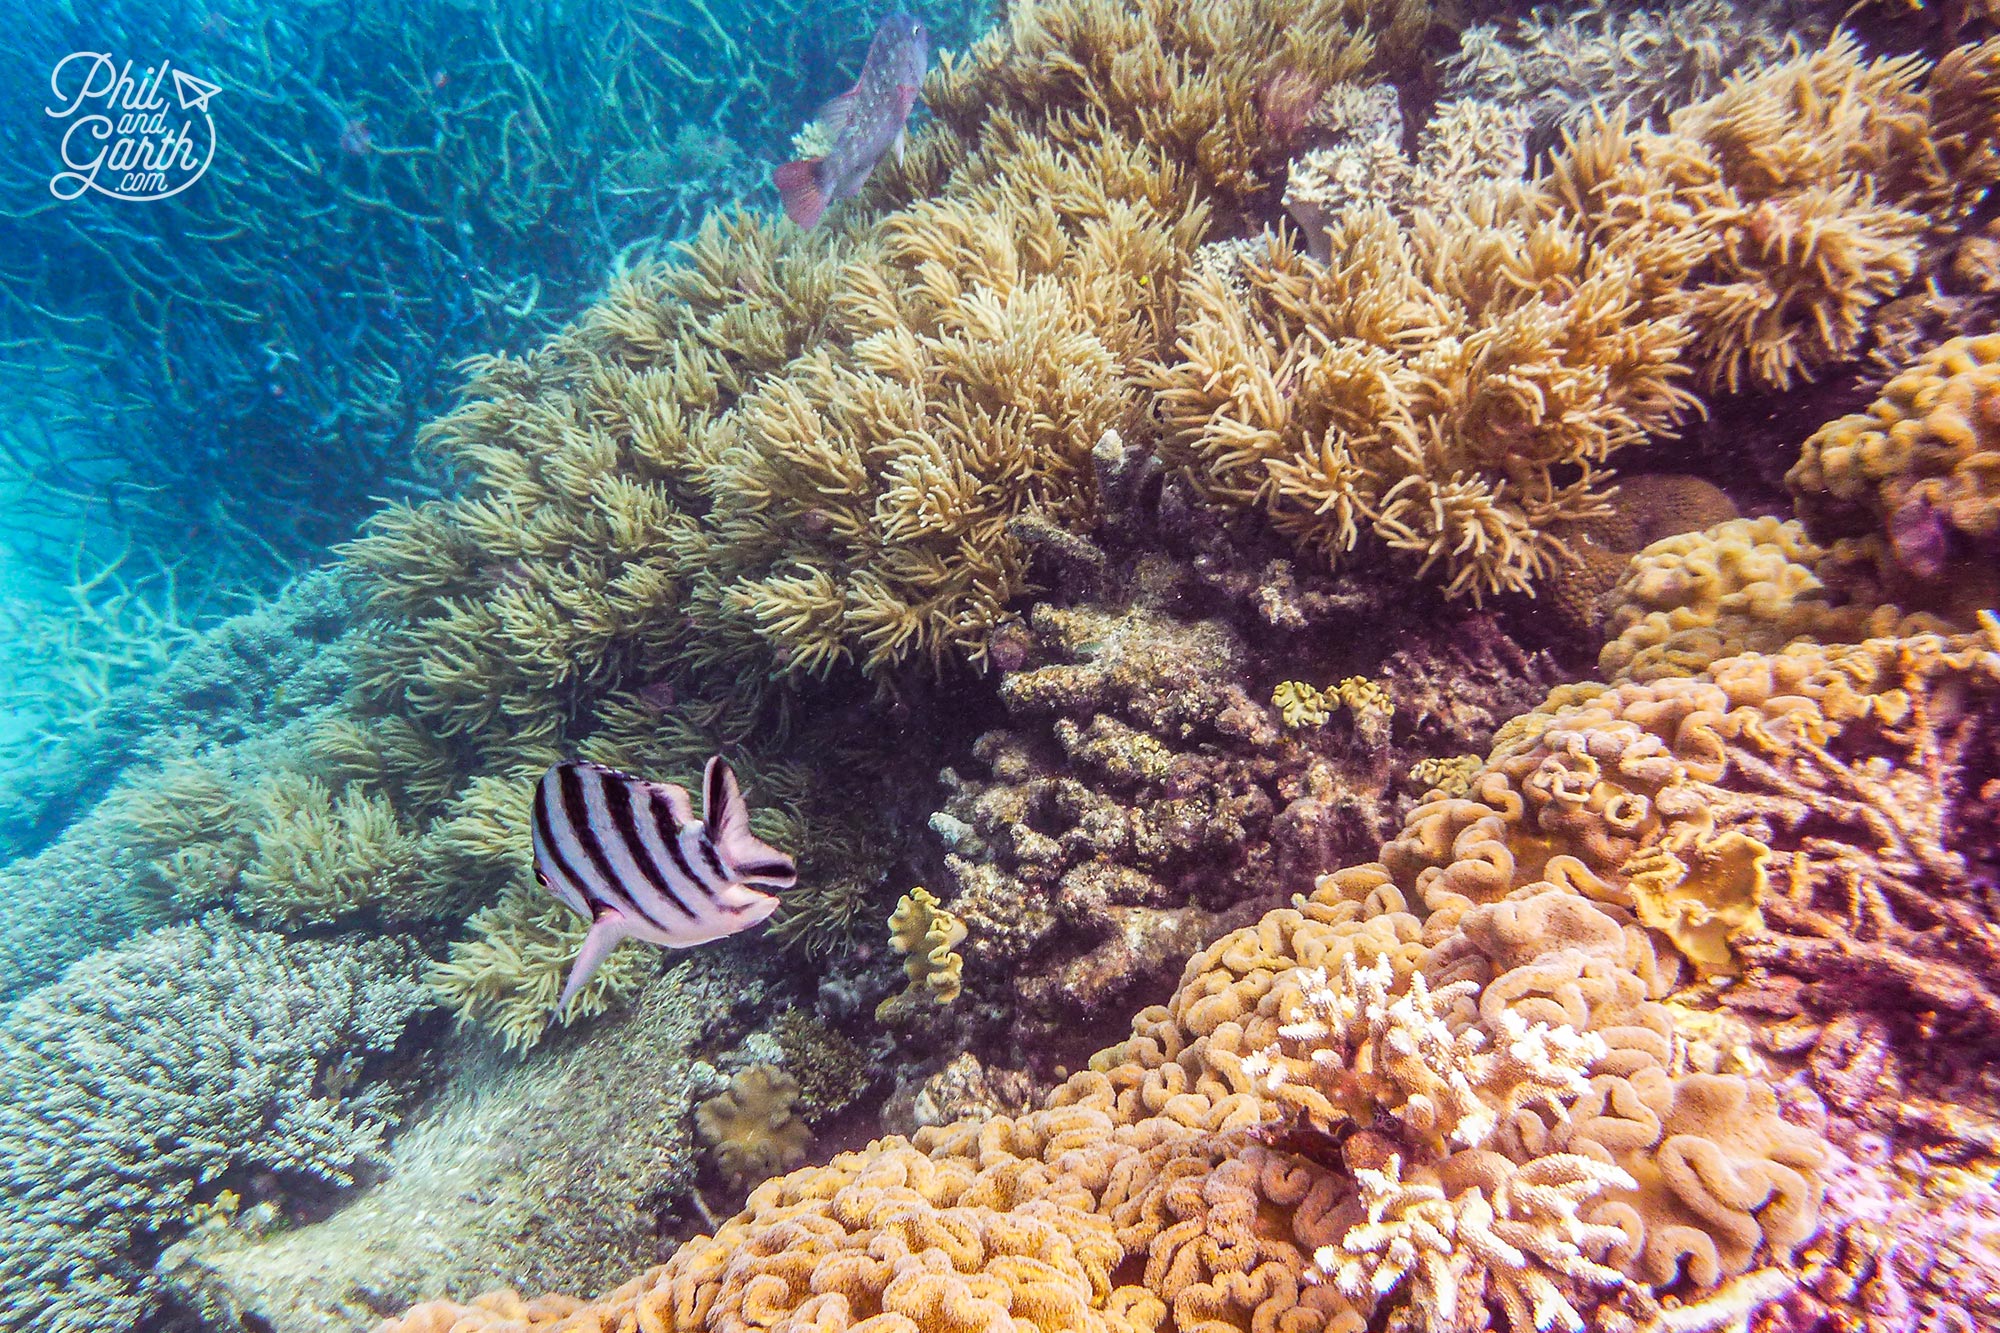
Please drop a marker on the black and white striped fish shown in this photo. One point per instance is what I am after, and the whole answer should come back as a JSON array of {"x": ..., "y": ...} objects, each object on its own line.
[{"x": 629, "y": 856}]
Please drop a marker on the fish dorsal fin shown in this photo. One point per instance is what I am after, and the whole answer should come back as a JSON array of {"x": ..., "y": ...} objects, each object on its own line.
[
  {"x": 723, "y": 812},
  {"x": 726, "y": 818},
  {"x": 835, "y": 114}
]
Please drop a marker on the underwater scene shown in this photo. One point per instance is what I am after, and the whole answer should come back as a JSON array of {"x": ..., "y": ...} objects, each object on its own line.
[{"x": 1000, "y": 666}]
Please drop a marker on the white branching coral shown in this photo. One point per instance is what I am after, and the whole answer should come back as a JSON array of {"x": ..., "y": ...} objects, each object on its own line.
[
  {"x": 1420, "y": 1082},
  {"x": 1457, "y": 1254},
  {"x": 1354, "y": 1049}
]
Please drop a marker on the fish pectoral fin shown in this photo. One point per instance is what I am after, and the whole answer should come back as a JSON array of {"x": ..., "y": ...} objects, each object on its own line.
[
  {"x": 605, "y": 933},
  {"x": 901, "y": 136},
  {"x": 835, "y": 113}
]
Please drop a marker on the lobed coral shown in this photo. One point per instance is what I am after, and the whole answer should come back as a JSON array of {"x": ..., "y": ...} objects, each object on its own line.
[
  {"x": 155, "y": 1075},
  {"x": 750, "y": 1129},
  {"x": 1747, "y": 585},
  {"x": 1907, "y": 494},
  {"x": 926, "y": 935}
]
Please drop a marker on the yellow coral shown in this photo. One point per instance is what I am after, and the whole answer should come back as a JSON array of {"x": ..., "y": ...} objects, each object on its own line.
[
  {"x": 1362, "y": 696},
  {"x": 1748, "y": 585},
  {"x": 1450, "y": 776},
  {"x": 1701, "y": 892},
  {"x": 927, "y": 935},
  {"x": 1300, "y": 704},
  {"x": 1909, "y": 491}
]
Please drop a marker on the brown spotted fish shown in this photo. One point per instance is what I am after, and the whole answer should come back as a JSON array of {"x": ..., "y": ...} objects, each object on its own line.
[
  {"x": 629, "y": 857},
  {"x": 866, "y": 122}
]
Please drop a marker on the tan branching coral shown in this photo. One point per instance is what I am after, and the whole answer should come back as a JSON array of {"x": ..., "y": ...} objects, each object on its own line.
[
  {"x": 1611, "y": 52},
  {"x": 926, "y": 934},
  {"x": 1776, "y": 215},
  {"x": 1451, "y": 387},
  {"x": 507, "y": 973},
  {"x": 1907, "y": 494},
  {"x": 1228, "y": 89}
]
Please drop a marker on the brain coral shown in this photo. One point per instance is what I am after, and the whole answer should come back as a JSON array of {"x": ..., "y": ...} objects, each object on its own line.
[{"x": 1907, "y": 494}]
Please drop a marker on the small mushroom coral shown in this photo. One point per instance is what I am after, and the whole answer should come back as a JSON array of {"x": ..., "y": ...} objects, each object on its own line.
[{"x": 751, "y": 1129}]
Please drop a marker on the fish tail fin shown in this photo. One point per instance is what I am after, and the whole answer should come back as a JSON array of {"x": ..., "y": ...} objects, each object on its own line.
[
  {"x": 605, "y": 933},
  {"x": 798, "y": 185},
  {"x": 726, "y": 817}
]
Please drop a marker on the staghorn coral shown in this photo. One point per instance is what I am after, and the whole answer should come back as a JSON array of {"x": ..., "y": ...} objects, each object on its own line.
[
  {"x": 155, "y": 1074},
  {"x": 1775, "y": 216},
  {"x": 1907, "y": 494},
  {"x": 926, "y": 935},
  {"x": 1747, "y": 585},
  {"x": 750, "y": 1129}
]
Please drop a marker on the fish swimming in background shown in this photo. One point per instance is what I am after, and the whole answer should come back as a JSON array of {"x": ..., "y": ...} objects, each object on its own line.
[
  {"x": 629, "y": 856},
  {"x": 866, "y": 122}
]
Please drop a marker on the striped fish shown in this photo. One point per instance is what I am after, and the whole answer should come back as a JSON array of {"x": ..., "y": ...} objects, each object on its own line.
[{"x": 629, "y": 856}]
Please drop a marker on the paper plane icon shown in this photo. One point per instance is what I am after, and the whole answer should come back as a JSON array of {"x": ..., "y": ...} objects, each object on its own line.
[{"x": 194, "y": 93}]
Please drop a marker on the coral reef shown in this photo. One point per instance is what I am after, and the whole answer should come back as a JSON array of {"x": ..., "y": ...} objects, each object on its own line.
[
  {"x": 750, "y": 1129},
  {"x": 568, "y": 1168},
  {"x": 1181, "y": 1178},
  {"x": 926, "y": 935},
  {"x": 1907, "y": 494},
  {"x": 153, "y": 1076}
]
